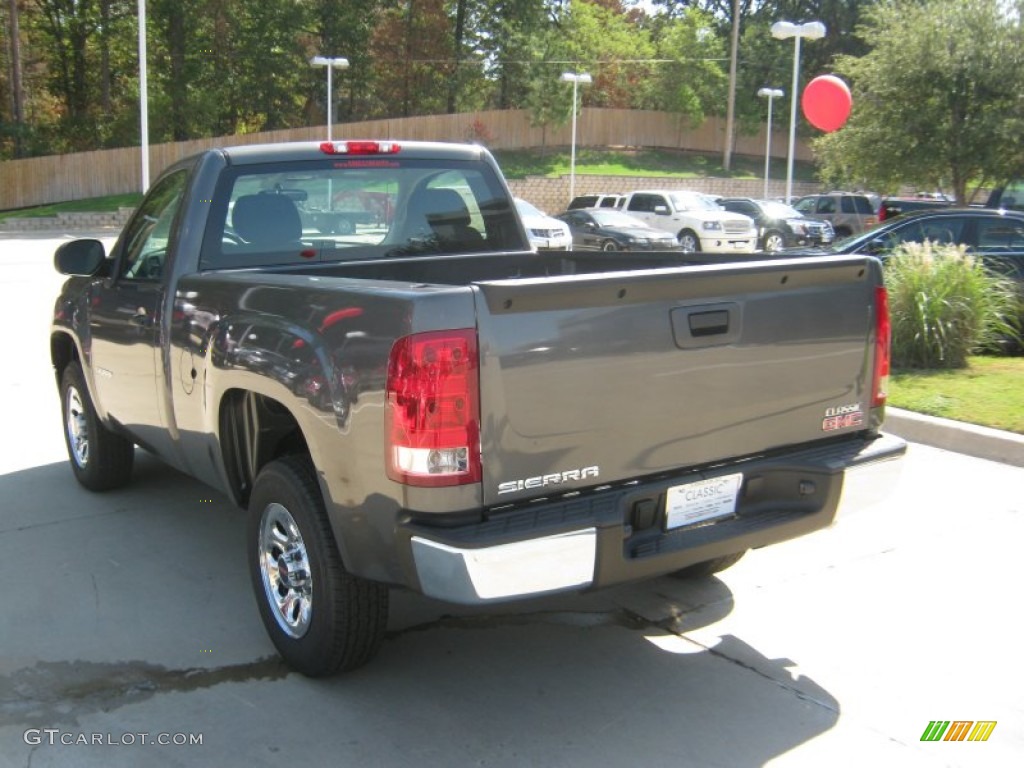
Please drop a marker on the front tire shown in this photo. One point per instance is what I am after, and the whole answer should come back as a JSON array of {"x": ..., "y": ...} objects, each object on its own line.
[
  {"x": 609, "y": 245},
  {"x": 774, "y": 241},
  {"x": 689, "y": 241},
  {"x": 321, "y": 619},
  {"x": 100, "y": 459}
]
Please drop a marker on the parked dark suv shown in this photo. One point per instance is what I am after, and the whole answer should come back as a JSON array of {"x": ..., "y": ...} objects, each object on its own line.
[
  {"x": 849, "y": 213},
  {"x": 779, "y": 225}
]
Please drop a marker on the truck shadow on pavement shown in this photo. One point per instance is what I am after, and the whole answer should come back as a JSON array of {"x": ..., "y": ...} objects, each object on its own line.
[{"x": 127, "y": 598}]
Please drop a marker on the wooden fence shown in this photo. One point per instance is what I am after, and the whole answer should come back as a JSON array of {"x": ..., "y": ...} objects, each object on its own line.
[{"x": 57, "y": 178}]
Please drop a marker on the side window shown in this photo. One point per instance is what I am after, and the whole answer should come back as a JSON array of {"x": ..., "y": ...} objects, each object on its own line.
[
  {"x": 946, "y": 230},
  {"x": 1013, "y": 196},
  {"x": 862, "y": 205},
  {"x": 639, "y": 203},
  {"x": 149, "y": 233},
  {"x": 806, "y": 205},
  {"x": 826, "y": 205},
  {"x": 998, "y": 235}
]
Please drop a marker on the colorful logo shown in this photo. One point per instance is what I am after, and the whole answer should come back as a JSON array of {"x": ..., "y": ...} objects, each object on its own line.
[{"x": 959, "y": 730}]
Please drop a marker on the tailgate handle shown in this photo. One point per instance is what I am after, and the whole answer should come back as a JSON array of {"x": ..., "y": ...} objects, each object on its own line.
[{"x": 707, "y": 325}]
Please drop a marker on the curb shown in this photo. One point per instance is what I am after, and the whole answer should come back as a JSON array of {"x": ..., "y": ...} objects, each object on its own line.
[{"x": 980, "y": 442}]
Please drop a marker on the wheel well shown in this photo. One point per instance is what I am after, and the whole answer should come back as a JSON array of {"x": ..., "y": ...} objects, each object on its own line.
[
  {"x": 62, "y": 352},
  {"x": 255, "y": 430}
]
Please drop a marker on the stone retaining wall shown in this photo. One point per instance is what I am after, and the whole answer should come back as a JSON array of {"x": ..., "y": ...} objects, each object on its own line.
[
  {"x": 65, "y": 222},
  {"x": 552, "y": 194}
]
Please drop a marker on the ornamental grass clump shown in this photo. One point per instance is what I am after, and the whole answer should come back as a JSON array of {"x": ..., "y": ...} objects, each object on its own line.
[{"x": 946, "y": 305}]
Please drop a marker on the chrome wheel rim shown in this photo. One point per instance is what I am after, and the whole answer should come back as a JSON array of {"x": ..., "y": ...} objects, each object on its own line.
[
  {"x": 284, "y": 567},
  {"x": 773, "y": 243},
  {"x": 688, "y": 243},
  {"x": 77, "y": 427}
]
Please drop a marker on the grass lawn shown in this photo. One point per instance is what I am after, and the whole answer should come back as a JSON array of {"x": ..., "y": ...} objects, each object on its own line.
[
  {"x": 990, "y": 392},
  {"x": 678, "y": 164}
]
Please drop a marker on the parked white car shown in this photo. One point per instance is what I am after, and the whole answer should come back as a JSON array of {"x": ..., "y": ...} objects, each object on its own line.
[
  {"x": 546, "y": 233},
  {"x": 696, "y": 221}
]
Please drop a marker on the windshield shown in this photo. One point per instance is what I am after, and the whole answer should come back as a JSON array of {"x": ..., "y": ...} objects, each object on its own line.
[
  {"x": 781, "y": 211},
  {"x": 692, "y": 201},
  {"x": 356, "y": 208},
  {"x": 526, "y": 209},
  {"x": 616, "y": 219}
]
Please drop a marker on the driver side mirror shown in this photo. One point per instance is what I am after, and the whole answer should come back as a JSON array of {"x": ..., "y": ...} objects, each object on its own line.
[
  {"x": 876, "y": 246},
  {"x": 661, "y": 210},
  {"x": 85, "y": 258}
]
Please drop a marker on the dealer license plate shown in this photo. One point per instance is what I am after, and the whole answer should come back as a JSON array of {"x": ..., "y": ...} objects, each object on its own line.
[{"x": 702, "y": 500}]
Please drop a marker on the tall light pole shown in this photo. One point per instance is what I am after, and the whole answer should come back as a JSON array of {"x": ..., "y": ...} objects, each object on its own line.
[
  {"x": 769, "y": 93},
  {"x": 576, "y": 78},
  {"x": 782, "y": 30},
  {"x": 143, "y": 96},
  {"x": 332, "y": 63}
]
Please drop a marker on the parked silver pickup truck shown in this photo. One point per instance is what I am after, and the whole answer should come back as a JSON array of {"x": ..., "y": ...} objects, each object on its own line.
[{"x": 353, "y": 340}]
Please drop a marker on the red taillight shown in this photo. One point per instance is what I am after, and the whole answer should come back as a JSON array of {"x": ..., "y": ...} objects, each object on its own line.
[
  {"x": 359, "y": 147},
  {"x": 432, "y": 416},
  {"x": 883, "y": 348}
]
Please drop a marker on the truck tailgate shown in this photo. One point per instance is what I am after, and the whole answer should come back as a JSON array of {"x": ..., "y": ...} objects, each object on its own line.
[{"x": 594, "y": 379}]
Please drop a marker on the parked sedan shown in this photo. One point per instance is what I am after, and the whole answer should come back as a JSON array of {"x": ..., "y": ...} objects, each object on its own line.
[
  {"x": 997, "y": 236},
  {"x": 546, "y": 233},
  {"x": 599, "y": 229},
  {"x": 779, "y": 225}
]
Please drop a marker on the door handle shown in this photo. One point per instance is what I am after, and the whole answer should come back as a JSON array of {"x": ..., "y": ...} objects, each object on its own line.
[{"x": 707, "y": 325}]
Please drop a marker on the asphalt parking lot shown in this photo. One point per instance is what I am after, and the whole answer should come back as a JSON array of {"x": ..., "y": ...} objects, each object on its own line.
[{"x": 128, "y": 620}]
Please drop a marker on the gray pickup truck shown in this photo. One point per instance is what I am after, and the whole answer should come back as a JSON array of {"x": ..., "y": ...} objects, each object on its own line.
[{"x": 353, "y": 341}]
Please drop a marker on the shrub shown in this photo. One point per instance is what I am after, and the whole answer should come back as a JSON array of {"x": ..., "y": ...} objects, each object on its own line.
[{"x": 946, "y": 305}]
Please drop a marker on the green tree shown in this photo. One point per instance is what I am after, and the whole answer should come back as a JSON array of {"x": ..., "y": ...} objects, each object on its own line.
[
  {"x": 937, "y": 100},
  {"x": 694, "y": 80}
]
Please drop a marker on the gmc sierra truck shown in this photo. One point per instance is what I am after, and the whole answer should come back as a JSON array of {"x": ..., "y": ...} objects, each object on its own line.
[{"x": 413, "y": 398}]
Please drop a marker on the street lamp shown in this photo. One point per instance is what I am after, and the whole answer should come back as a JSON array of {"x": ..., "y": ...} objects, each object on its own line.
[
  {"x": 576, "y": 78},
  {"x": 332, "y": 63},
  {"x": 769, "y": 93},
  {"x": 143, "y": 95},
  {"x": 782, "y": 30}
]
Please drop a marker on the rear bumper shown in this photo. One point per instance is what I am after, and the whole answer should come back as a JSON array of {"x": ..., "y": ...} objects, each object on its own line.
[{"x": 618, "y": 534}]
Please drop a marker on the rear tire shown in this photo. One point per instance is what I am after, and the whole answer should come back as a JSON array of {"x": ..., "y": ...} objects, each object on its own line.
[
  {"x": 321, "y": 619},
  {"x": 100, "y": 459},
  {"x": 709, "y": 567}
]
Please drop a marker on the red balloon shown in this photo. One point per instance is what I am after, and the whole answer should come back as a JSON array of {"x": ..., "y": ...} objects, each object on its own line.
[{"x": 826, "y": 102}]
